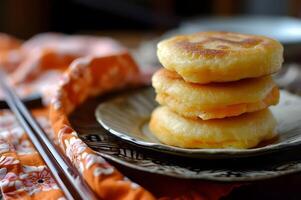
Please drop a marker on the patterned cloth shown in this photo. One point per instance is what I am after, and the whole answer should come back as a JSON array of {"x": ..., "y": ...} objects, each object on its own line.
[
  {"x": 90, "y": 76},
  {"x": 39, "y": 184},
  {"x": 24, "y": 175}
]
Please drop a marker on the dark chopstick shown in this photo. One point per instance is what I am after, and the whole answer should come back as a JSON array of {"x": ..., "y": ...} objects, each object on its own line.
[{"x": 67, "y": 177}]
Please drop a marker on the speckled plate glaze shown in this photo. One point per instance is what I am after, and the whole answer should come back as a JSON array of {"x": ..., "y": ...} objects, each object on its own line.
[{"x": 127, "y": 117}]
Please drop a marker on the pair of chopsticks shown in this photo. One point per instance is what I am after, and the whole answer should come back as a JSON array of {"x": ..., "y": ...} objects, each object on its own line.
[{"x": 67, "y": 177}]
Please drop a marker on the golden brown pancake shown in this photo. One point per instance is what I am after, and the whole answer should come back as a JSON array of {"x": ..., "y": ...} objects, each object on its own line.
[
  {"x": 214, "y": 100},
  {"x": 220, "y": 56},
  {"x": 244, "y": 131}
]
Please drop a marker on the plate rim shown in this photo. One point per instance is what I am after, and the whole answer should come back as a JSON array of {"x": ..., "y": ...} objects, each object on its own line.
[
  {"x": 203, "y": 177},
  {"x": 208, "y": 153}
]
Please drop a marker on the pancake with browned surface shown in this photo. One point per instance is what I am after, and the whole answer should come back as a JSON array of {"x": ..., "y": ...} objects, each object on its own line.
[
  {"x": 214, "y": 100},
  {"x": 244, "y": 131},
  {"x": 220, "y": 56}
]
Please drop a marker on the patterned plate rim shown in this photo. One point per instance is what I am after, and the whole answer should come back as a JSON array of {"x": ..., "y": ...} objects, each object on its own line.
[{"x": 204, "y": 176}]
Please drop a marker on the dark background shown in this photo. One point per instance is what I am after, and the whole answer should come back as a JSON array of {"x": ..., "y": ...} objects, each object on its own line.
[{"x": 24, "y": 18}]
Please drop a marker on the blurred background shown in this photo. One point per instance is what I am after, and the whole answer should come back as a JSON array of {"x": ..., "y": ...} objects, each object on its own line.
[
  {"x": 133, "y": 21},
  {"x": 140, "y": 24},
  {"x": 26, "y": 18}
]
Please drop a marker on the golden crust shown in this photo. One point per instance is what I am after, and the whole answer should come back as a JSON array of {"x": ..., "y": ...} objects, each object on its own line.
[
  {"x": 244, "y": 131},
  {"x": 220, "y": 56},
  {"x": 215, "y": 100},
  {"x": 192, "y": 111}
]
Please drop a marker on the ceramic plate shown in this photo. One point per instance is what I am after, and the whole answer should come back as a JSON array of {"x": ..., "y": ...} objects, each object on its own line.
[
  {"x": 127, "y": 117},
  {"x": 243, "y": 169},
  {"x": 139, "y": 158}
]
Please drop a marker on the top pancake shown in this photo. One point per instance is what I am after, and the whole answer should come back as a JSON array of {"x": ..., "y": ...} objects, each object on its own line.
[{"x": 220, "y": 56}]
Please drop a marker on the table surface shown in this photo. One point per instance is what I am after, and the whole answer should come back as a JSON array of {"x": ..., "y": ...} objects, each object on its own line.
[{"x": 286, "y": 187}]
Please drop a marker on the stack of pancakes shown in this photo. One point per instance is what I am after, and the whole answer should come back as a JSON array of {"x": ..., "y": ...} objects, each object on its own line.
[{"x": 215, "y": 90}]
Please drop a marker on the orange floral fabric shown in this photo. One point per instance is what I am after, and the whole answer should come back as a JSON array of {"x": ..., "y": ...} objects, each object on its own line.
[
  {"x": 55, "y": 52},
  {"x": 23, "y": 173},
  {"x": 39, "y": 61},
  {"x": 8, "y": 47},
  {"x": 93, "y": 66},
  {"x": 89, "y": 76}
]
